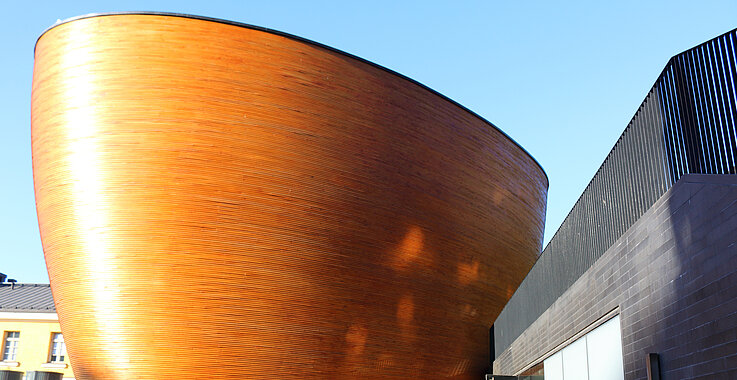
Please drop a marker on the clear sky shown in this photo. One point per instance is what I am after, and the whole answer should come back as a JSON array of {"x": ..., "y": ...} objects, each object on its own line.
[{"x": 561, "y": 78}]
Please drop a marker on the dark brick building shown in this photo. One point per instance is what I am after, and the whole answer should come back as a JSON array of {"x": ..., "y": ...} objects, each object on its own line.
[{"x": 646, "y": 261}]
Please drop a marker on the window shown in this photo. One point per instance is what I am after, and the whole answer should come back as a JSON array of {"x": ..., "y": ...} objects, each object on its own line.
[
  {"x": 58, "y": 348},
  {"x": 10, "y": 351},
  {"x": 596, "y": 355}
]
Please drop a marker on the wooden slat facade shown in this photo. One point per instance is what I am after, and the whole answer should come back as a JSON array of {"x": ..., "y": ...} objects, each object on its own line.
[{"x": 221, "y": 201}]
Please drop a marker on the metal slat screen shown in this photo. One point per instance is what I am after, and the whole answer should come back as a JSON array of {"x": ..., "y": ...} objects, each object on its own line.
[{"x": 686, "y": 124}]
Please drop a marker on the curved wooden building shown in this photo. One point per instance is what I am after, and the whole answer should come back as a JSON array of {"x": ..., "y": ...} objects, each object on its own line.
[{"x": 224, "y": 201}]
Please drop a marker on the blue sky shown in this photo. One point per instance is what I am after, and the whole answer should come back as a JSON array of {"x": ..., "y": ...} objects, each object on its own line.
[{"x": 561, "y": 78}]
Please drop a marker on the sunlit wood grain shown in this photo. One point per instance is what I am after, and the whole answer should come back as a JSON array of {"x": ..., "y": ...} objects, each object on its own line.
[{"x": 220, "y": 202}]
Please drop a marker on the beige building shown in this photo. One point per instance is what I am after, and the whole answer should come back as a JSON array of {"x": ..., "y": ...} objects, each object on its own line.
[{"x": 31, "y": 336}]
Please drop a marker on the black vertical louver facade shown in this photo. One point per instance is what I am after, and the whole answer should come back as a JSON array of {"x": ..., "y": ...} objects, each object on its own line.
[{"x": 686, "y": 124}]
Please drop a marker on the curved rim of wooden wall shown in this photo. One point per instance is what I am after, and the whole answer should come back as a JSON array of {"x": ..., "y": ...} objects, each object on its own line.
[{"x": 307, "y": 41}]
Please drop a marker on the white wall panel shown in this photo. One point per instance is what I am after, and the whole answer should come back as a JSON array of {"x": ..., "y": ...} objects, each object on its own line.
[
  {"x": 575, "y": 361},
  {"x": 605, "y": 351},
  {"x": 595, "y": 356},
  {"x": 554, "y": 367}
]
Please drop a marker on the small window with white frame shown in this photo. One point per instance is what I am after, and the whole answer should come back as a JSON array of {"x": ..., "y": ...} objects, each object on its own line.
[
  {"x": 10, "y": 349},
  {"x": 58, "y": 350}
]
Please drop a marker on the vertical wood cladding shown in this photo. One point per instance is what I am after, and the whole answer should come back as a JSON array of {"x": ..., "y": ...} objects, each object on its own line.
[
  {"x": 225, "y": 201},
  {"x": 673, "y": 276}
]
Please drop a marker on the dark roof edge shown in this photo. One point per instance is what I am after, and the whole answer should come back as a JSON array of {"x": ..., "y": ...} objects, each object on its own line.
[{"x": 304, "y": 40}]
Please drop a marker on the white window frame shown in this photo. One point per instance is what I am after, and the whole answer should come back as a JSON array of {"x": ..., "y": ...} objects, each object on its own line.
[
  {"x": 57, "y": 348},
  {"x": 11, "y": 346}
]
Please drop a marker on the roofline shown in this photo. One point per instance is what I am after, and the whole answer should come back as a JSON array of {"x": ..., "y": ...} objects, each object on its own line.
[
  {"x": 304, "y": 40},
  {"x": 26, "y": 315}
]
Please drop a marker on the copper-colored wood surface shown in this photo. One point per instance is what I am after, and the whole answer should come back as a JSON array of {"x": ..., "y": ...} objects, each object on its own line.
[{"x": 225, "y": 202}]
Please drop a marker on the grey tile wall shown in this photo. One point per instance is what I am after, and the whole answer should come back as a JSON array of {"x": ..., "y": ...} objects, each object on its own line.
[{"x": 673, "y": 278}]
